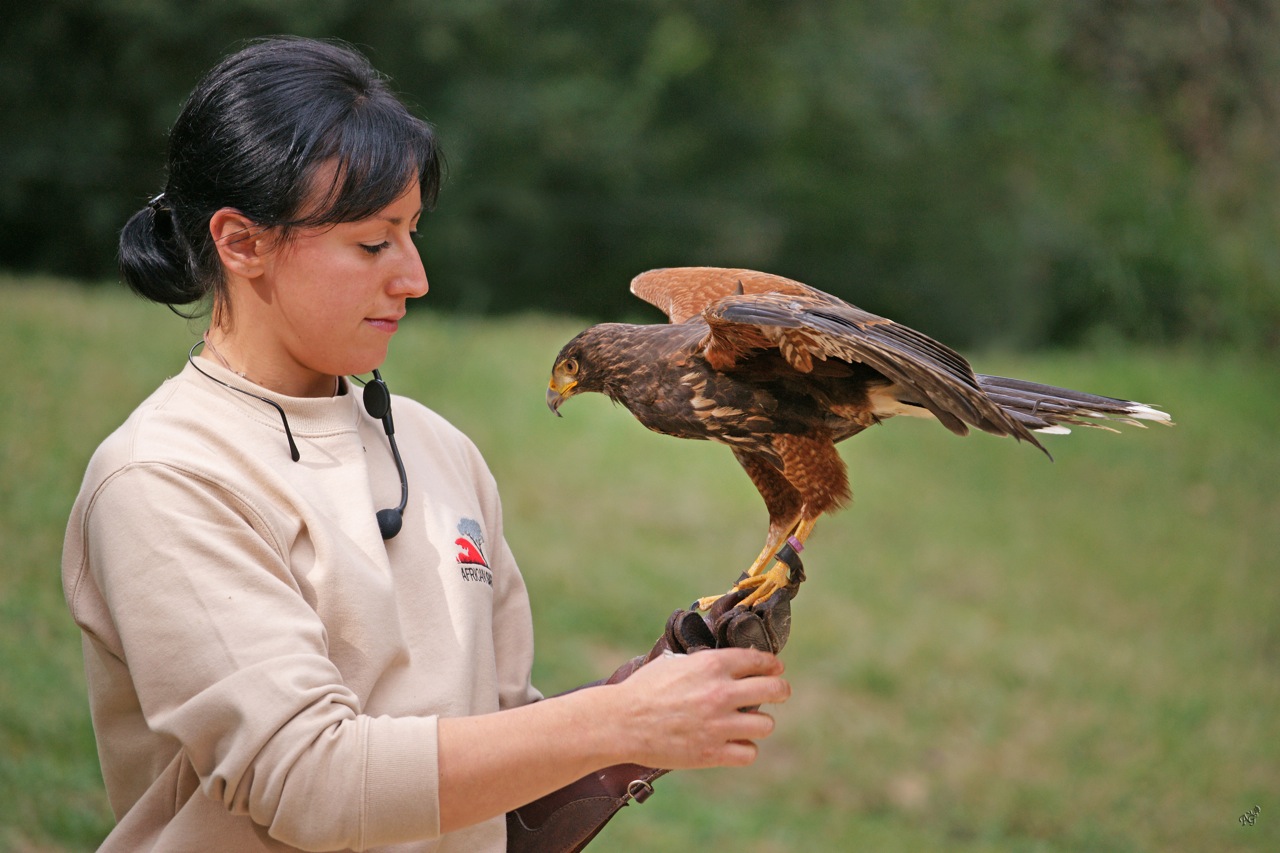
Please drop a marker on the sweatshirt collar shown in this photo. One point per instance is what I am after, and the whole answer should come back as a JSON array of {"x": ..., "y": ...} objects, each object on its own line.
[{"x": 308, "y": 416}]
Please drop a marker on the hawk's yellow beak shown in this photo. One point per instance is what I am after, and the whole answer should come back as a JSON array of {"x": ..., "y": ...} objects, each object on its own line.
[{"x": 557, "y": 394}]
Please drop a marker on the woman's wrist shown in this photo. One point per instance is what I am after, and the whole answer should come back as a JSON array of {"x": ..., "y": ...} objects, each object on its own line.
[{"x": 601, "y": 726}]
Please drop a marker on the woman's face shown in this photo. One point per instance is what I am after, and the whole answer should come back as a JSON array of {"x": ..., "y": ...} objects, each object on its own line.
[{"x": 331, "y": 298}]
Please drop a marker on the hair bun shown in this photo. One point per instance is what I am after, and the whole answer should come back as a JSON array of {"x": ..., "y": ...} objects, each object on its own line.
[{"x": 152, "y": 257}]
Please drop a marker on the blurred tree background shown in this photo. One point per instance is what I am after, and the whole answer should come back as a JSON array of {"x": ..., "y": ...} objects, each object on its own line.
[{"x": 1013, "y": 172}]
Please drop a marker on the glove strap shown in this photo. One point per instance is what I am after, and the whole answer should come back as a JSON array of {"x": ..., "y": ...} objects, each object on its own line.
[{"x": 567, "y": 819}]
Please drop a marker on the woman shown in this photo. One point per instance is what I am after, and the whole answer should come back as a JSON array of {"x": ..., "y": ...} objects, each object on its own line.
[{"x": 302, "y": 630}]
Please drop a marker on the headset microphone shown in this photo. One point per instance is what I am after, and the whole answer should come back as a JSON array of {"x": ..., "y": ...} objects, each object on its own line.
[{"x": 377, "y": 402}]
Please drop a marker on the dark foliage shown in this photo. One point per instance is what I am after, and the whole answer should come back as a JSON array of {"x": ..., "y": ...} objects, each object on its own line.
[{"x": 1011, "y": 171}]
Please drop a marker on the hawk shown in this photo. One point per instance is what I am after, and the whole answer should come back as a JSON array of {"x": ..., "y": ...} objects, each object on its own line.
[{"x": 781, "y": 372}]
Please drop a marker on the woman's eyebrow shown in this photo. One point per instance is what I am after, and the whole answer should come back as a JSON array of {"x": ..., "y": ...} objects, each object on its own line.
[{"x": 396, "y": 220}]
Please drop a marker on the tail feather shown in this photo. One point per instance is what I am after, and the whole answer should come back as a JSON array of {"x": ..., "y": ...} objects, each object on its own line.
[{"x": 1048, "y": 409}]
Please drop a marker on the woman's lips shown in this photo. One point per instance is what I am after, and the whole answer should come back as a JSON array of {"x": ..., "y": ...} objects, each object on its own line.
[{"x": 385, "y": 324}]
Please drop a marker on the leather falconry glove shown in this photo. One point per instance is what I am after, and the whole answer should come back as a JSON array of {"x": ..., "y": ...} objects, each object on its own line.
[{"x": 566, "y": 820}]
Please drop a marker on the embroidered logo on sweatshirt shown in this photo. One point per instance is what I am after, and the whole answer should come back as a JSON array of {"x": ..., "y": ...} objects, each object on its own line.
[{"x": 471, "y": 561}]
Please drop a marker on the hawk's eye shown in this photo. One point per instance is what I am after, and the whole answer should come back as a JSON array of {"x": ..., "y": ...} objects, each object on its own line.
[{"x": 571, "y": 365}]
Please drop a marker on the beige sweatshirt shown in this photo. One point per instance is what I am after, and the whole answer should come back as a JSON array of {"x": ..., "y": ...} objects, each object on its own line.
[{"x": 264, "y": 671}]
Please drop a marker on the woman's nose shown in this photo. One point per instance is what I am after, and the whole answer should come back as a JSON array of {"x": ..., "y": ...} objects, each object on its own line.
[{"x": 411, "y": 280}]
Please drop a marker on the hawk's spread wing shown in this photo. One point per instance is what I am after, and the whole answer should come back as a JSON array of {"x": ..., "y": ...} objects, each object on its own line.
[
  {"x": 685, "y": 292},
  {"x": 749, "y": 311}
]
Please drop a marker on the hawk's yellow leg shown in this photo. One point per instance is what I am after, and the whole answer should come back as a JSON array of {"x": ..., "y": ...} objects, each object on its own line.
[{"x": 764, "y": 583}]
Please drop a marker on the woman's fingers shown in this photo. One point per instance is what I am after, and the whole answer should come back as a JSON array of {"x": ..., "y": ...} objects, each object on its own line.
[
  {"x": 740, "y": 663},
  {"x": 737, "y": 753},
  {"x": 690, "y": 710},
  {"x": 753, "y": 677}
]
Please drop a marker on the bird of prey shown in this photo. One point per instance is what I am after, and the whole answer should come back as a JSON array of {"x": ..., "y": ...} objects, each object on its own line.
[{"x": 780, "y": 372}]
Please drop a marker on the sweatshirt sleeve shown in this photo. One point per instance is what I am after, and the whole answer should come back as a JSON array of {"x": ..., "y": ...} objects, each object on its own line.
[
  {"x": 512, "y": 616},
  {"x": 230, "y": 661}
]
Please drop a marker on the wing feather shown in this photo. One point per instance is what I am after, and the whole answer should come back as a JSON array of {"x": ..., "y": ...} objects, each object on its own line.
[
  {"x": 748, "y": 311},
  {"x": 804, "y": 328},
  {"x": 683, "y": 293}
]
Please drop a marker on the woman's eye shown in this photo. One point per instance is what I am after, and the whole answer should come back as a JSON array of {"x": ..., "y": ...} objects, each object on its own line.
[{"x": 375, "y": 249}]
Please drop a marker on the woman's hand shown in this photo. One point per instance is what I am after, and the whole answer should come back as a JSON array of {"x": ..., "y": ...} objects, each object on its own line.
[
  {"x": 682, "y": 712},
  {"x": 676, "y": 712}
]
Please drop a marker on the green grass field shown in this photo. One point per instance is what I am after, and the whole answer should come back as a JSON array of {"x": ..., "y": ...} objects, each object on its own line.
[{"x": 993, "y": 652}]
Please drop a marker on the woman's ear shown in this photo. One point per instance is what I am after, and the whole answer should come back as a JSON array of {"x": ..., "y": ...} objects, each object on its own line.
[{"x": 241, "y": 243}]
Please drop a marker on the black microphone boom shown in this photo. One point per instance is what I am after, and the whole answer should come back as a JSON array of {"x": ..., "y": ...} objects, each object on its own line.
[{"x": 377, "y": 402}]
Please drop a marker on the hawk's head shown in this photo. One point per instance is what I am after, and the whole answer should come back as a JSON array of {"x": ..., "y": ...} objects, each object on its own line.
[
  {"x": 615, "y": 359},
  {"x": 572, "y": 372}
]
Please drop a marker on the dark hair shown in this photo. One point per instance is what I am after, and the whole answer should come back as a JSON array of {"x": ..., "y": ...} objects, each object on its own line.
[{"x": 259, "y": 134}]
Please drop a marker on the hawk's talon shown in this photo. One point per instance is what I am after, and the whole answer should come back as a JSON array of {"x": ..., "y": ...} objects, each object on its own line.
[
  {"x": 752, "y": 589},
  {"x": 704, "y": 604},
  {"x": 765, "y": 584}
]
